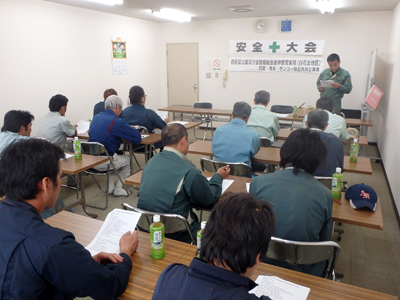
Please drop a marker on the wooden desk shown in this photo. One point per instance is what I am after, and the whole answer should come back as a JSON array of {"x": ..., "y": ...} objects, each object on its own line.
[
  {"x": 192, "y": 110},
  {"x": 72, "y": 166},
  {"x": 145, "y": 271},
  {"x": 349, "y": 121},
  {"x": 284, "y": 134},
  {"x": 272, "y": 156}
]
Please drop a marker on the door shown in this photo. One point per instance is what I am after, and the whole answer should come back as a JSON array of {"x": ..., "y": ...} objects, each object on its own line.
[{"x": 182, "y": 74}]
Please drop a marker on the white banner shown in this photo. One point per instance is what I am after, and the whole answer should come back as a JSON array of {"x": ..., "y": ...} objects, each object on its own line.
[
  {"x": 118, "y": 54},
  {"x": 279, "y": 47},
  {"x": 246, "y": 64}
]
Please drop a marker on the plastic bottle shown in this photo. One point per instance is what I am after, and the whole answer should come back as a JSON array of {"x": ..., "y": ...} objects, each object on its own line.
[
  {"x": 199, "y": 235},
  {"x": 337, "y": 183},
  {"x": 354, "y": 148},
  {"x": 157, "y": 238},
  {"x": 295, "y": 111},
  {"x": 77, "y": 148}
]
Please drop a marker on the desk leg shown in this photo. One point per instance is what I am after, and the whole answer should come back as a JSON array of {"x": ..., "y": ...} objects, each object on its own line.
[
  {"x": 146, "y": 154},
  {"x": 130, "y": 157}
]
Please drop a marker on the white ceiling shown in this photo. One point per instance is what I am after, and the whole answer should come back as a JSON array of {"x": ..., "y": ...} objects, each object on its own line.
[{"x": 218, "y": 9}]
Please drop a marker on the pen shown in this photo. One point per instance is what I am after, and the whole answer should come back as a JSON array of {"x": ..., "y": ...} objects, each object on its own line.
[{"x": 337, "y": 201}]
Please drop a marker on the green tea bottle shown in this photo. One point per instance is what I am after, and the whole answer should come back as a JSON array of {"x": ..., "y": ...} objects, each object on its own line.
[
  {"x": 157, "y": 238},
  {"x": 295, "y": 111},
  {"x": 337, "y": 183},
  {"x": 77, "y": 148},
  {"x": 199, "y": 235},
  {"x": 354, "y": 148}
]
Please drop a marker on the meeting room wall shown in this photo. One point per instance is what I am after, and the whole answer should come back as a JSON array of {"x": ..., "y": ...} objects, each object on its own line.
[{"x": 50, "y": 48}]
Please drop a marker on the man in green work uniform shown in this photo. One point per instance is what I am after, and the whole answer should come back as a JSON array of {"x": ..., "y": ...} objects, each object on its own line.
[{"x": 341, "y": 82}]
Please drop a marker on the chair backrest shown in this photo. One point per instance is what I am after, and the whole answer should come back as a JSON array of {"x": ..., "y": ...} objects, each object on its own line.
[
  {"x": 172, "y": 222},
  {"x": 237, "y": 169},
  {"x": 282, "y": 109},
  {"x": 202, "y": 105},
  {"x": 94, "y": 148},
  {"x": 139, "y": 128},
  {"x": 264, "y": 142},
  {"x": 326, "y": 181},
  {"x": 304, "y": 253},
  {"x": 352, "y": 113}
]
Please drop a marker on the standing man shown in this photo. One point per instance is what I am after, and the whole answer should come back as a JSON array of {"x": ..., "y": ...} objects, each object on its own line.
[
  {"x": 234, "y": 142},
  {"x": 342, "y": 82},
  {"x": 262, "y": 121}
]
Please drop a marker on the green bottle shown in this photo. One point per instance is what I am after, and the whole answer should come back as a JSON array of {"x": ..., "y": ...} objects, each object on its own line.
[
  {"x": 77, "y": 148},
  {"x": 157, "y": 238},
  {"x": 354, "y": 148},
  {"x": 337, "y": 183},
  {"x": 199, "y": 235},
  {"x": 295, "y": 111}
]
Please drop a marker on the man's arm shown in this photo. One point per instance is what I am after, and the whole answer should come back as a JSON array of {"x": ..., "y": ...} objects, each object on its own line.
[
  {"x": 319, "y": 87},
  {"x": 157, "y": 121},
  {"x": 200, "y": 190},
  {"x": 275, "y": 127},
  {"x": 255, "y": 144},
  {"x": 325, "y": 233},
  {"x": 346, "y": 86},
  {"x": 344, "y": 135},
  {"x": 128, "y": 133},
  {"x": 67, "y": 127}
]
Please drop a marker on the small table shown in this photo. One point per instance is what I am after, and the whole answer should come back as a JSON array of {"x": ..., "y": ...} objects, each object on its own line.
[
  {"x": 72, "y": 166},
  {"x": 145, "y": 270}
]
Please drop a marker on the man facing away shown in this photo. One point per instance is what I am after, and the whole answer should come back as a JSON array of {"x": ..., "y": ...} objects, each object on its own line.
[
  {"x": 100, "y": 106},
  {"x": 336, "y": 124},
  {"x": 318, "y": 121},
  {"x": 172, "y": 184},
  {"x": 341, "y": 82},
  {"x": 234, "y": 142},
  {"x": 261, "y": 120},
  {"x": 301, "y": 204},
  {"x": 234, "y": 241},
  {"x": 39, "y": 261},
  {"x": 54, "y": 126},
  {"x": 110, "y": 130}
]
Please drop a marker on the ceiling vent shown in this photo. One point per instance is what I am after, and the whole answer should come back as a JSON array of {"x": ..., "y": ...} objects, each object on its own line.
[{"x": 242, "y": 8}]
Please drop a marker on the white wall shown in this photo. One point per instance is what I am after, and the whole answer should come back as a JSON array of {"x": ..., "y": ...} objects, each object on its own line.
[{"x": 49, "y": 48}]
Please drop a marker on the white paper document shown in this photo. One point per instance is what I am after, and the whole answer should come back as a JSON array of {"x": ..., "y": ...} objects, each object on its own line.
[
  {"x": 144, "y": 136},
  {"x": 279, "y": 289},
  {"x": 83, "y": 126},
  {"x": 68, "y": 155},
  {"x": 163, "y": 114},
  {"x": 326, "y": 83},
  {"x": 117, "y": 223},
  {"x": 283, "y": 115},
  {"x": 248, "y": 187},
  {"x": 226, "y": 183},
  {"x": 179, "y": 122}
]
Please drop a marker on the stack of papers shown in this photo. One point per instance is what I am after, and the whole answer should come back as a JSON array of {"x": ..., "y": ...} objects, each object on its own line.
[
  {"x": 82, "y": 127},
  {"x": 279, "y": 289},
  {"x": 163, "y": 114},
  {"x": 283, "y": 115}
]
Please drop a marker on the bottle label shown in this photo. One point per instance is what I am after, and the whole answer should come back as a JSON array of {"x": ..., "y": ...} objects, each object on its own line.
[
  {"x": 157, "y": 238},
  {"x": 198, "y": 242},
  {"x": 334, "y": 182}
]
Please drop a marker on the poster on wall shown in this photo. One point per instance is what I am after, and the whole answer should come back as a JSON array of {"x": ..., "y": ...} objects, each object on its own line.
[
  {"x": 254, "y": 64},
  {"x": 119, "y": 58}
]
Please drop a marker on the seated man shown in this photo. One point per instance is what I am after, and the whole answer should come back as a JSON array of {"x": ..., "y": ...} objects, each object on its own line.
[
  {"x": 100, "y": 106},
  {"x": 54, "y": 126},
  {"x": 232, "y": 246},
  {"x": 336, "y": 124},
  {"x": 317, "y": 120},
  {"x": 262, "y": 121},
  {"x": 302, "y": 205},
  {"x": 171, "y": 183},
  {"x": 18, "y": 126},
  {"x": 40, "y": 261},
  {"x": 109, "y": 129},
  {"x": 234, "y": 142}
]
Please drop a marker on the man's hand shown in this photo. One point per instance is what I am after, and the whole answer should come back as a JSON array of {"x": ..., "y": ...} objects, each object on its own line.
[
  {"x": 129, "y": 243},
  {"x": 166, "y": 120},
  {"x": 335, "y": 85},
  {"x": 321, "y": 88},
  {"x": 224, "y": 171},
  {"x": 105, "y": 258}
]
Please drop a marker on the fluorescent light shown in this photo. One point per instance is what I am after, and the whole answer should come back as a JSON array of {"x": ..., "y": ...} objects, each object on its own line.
[
  {"x": 172, "y": 14},
  {"x": 108, "y": 2},
  {"x": 328, "y": 6}
]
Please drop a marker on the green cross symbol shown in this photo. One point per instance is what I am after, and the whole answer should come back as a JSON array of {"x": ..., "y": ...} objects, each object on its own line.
[{"x": 274, "y": 46}]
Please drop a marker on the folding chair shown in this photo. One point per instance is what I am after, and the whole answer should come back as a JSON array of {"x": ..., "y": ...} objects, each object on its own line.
[
  {"x": 203, "y": 118},
  {"x": 97, "y": 149},
  {"x": 173, "y": 223},
  {"x": 237, "y": 169},
  {"x": 305, "y": 253},
  {"x": 135, "y": 148}
]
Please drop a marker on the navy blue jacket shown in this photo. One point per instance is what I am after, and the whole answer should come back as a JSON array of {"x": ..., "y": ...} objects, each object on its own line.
[
  {"x": 99, "y": 107},
  {"x": 335, "y": 155},
  {"x": 38, "y": 261},
  {"x": 137, "y": 114}
]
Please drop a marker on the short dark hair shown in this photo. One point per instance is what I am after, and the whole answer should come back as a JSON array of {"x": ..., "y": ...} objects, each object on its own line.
[
  {"x": 108, "y": 93},
  {"x": 239, "y": 228},
  {"x": 14, "y": 119},
  {"x": 172, "y": 134},
  {"x": 304, "y": 149},
  {"x": 325, "y": 103},
  {"x": 136, "y": 93},
  {"x": 242, "y": 110},
  {"x": 57, "y": 101},
  {"x": 317, "y": 118},
  {"x": 333, "y": 57},
  {"x": 24, "y": 164},
  {"x": 262, "y": 97}
]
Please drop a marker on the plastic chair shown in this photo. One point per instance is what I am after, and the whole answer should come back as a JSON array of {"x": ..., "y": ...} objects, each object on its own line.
[
  {"x": 305, "y": 253},
  {"x": 203, "y": 118},
  {"x": 97, "y": 149},
  {"x": 237, "y": 168},
  {"x": 173, "y": 222}
]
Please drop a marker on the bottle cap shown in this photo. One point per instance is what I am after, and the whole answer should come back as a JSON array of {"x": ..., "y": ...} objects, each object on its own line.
[
  {"x": 338, "y": 170},
  {"x": 156, "y": 218},
  {"x": 203, "y": 224},
  {"x": 76, "y": 138}
]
